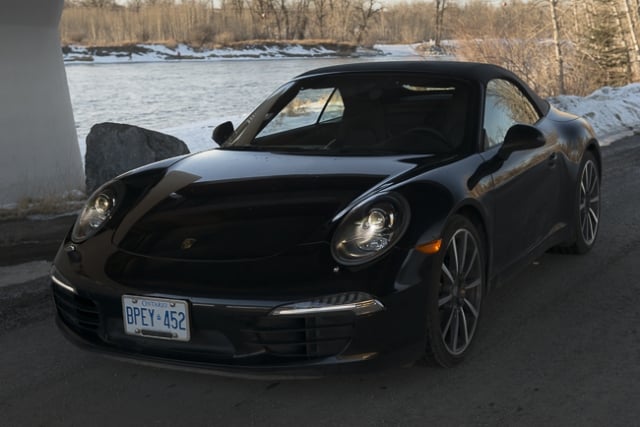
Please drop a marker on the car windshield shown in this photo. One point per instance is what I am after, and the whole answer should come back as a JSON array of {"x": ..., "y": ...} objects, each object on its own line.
[{"x": 361, "y": 114}]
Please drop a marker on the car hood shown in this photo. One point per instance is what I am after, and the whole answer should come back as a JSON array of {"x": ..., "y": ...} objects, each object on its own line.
[{"x": 234, "y": 205}]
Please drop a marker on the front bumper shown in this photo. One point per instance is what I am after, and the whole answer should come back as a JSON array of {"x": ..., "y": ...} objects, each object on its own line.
[{"x": 241, "y": 338}]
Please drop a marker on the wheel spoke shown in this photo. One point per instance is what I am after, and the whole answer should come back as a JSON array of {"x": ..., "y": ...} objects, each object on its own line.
[
  {"x": 447, "y": 326},
  {"x": 444, "y": 300},
  {"x": 464, "y": 252},
  {"x": 447, "y": 273},
  {"x": 465, "y": 327},
  {"x": 456, "y": 330},
  {"x": 473, "y": 284},
  {"x": 455, "y": 255},
  {"x": 473, "y": 260},
  {"x": 474, "y": 311},
  {"x": 593, "y": 179},
  {"x": 585, "y": 224},
  {"x": 593, "y": 215}
]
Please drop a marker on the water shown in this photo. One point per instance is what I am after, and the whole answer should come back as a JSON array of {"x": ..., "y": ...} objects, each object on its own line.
[{"x": 170, "y": 94}]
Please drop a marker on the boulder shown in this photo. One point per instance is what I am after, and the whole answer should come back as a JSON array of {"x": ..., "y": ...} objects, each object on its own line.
[{"x": 114, "y": 148}]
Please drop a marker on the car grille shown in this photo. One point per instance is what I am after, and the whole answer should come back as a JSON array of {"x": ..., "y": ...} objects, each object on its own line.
[
  {"x": 306, "y": 337},
  {"x": 77, "y": 312}
]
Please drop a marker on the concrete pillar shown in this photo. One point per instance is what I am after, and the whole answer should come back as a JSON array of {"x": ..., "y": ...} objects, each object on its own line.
[{"x": 39, "y": 153}]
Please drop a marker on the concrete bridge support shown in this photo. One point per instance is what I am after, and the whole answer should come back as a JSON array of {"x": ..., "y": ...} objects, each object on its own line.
[{"x": 39, "y": 154}]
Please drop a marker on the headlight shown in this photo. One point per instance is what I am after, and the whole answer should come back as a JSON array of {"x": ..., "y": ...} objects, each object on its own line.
[
  {"x": 95, "y": 214},
  {"x": 370, "y": 229}
]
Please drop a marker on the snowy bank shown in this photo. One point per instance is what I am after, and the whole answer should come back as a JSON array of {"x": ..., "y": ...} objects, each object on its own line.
[
  {"x": 614, "y": 113},
  {"x": 137, "y": 53}
]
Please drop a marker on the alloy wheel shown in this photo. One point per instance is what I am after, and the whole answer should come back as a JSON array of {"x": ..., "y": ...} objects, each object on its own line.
[
  {"x": 589, "y": 202},
  {"x": 460, "y": 291}
]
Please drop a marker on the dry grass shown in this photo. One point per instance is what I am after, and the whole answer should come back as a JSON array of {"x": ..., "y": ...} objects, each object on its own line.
[
  {"x": 308, "y": 43},
  {"x": 197, "y": 24}
]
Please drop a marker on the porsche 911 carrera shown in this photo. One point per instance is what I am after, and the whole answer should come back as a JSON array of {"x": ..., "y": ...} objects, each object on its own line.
[{"x": 359, "y": 217}]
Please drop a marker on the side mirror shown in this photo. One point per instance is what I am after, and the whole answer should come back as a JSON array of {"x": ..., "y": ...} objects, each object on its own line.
[
  {"x": 520, "y": 137},
  {"x": 222, "y": 132}
]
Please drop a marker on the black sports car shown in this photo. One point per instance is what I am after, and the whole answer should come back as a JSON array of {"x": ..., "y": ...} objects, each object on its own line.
[{"x": 359, "y": 216}]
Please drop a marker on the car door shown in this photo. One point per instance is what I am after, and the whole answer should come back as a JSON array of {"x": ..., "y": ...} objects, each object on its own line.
[{"x": 525, "y": 191}]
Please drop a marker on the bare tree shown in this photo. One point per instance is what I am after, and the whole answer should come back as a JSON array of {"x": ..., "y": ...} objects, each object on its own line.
[
  {"x": 553, "y": 7},
  {"x": 280, "y": 12},
  {"x": 623, "y": 40},
  {"x": 441, "y": 6},
  {"x": 365, "y": 11},
  {"x": 260, "y": 14},
  {"x": 635, "y": 49},
  {"x": 300, "y": 19},
  {"x": 321, "y": 11}
]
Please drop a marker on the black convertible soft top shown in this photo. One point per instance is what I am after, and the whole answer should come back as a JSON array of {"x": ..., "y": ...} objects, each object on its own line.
[{"x": 471, "y": 71}]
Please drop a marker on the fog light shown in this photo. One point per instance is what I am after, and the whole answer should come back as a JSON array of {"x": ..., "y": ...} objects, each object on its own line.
[
  {"x": 55, "y": 278},
  {"x": 359, "y": 303}
]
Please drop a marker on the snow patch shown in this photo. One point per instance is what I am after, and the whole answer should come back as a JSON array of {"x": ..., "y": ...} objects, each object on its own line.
[
  {"x": 160, "y": 53},
  {"x": 614, "y": 112},
  {"x": 397, "y": 49}
]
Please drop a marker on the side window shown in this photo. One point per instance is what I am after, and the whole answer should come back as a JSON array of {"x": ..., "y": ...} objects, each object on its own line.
[
  {"x": 308, "y": 107},
  {"x": 505, "y": 105}
]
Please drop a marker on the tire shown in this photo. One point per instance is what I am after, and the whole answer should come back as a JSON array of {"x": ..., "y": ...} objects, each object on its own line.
[
  {"x": 587, "y": 206},
  {"x": 455, "y": 293}
]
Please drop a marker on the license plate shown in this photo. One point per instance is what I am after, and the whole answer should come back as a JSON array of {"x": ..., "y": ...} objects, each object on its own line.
[{"x": 156, "y": 318}]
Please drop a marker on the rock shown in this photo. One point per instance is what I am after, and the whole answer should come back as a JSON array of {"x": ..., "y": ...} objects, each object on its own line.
[{"x": 114, "y": 148}]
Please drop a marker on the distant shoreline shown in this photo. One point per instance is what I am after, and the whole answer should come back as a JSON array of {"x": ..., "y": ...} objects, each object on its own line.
[{"x": 156, "y": 52}]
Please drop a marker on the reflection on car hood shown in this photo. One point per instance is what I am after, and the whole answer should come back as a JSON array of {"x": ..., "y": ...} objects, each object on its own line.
[{"x": 231, "y": 205}]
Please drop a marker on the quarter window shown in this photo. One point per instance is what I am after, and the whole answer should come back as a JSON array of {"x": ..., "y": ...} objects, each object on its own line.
[{"x": 505, "y": 105}]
